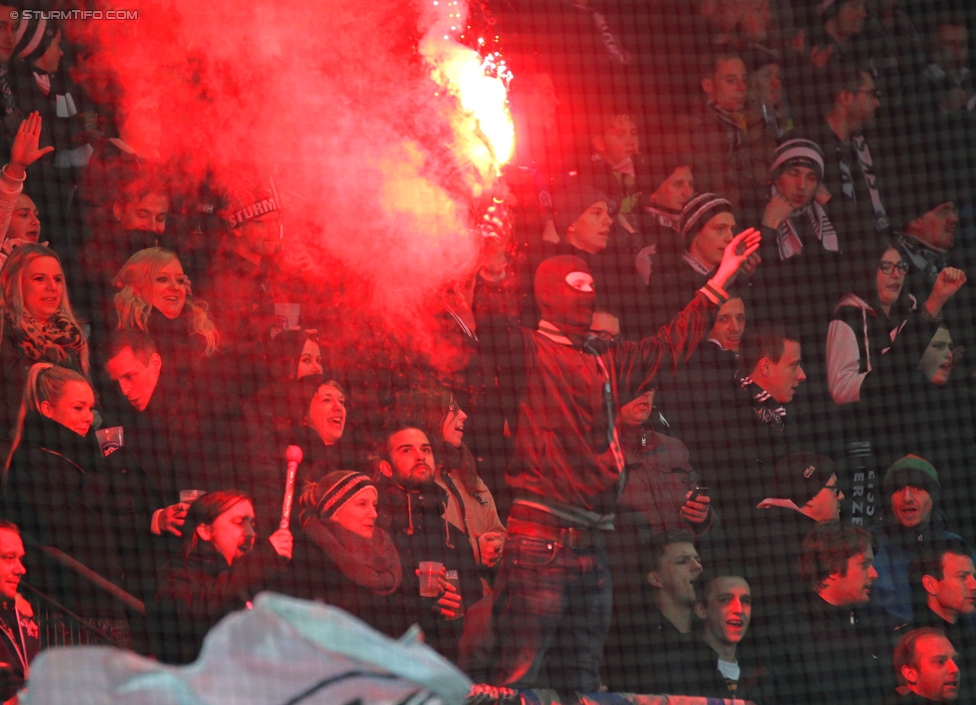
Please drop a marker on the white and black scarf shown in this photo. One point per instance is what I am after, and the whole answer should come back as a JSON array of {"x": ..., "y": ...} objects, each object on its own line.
[
  {"x": 881, "y": 222},
  {"x": 788, "y": 240}
]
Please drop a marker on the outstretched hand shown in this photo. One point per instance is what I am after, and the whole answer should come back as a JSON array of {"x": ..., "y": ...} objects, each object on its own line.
[
  {"x": 25, "y": 150},
  {"x": 737, "y": 253}
]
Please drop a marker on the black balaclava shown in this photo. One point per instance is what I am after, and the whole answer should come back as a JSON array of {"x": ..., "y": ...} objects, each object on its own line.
[{"x": 569, "y": 309}]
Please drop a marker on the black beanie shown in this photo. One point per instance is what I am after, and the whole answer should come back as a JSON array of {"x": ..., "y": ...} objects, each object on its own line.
[{"x": 569, "y": 203}]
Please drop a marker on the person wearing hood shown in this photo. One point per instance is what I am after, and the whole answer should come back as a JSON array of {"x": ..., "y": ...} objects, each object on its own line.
[
  {"x": 569, "y": 466},
  {"x": 913, "y": 521},
  {"x": 411, "y": 510}
]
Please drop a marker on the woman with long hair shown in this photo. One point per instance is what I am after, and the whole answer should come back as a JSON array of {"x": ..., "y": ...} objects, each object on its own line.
[
  {"x": 221, "y": 566},
  {"x": 37, "y": 325},
  {"x": 869, "y": 320},
  {"x": 58, "y": 488},
  {"x": 154, "y": 295},
  {"x": 470, "y": 505}
]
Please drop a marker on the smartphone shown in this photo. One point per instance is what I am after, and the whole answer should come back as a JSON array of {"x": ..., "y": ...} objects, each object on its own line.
[{"x": 698, "y": 492}]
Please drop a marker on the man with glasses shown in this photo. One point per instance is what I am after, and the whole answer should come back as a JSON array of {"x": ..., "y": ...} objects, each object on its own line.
[
  {"x": 803, "y": 492},
  {"x": 850, "y": 191}
]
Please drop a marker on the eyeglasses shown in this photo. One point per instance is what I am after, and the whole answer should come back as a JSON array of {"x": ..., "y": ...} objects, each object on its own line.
[
  {"x": 889, "y": 267},
  {"x": 873, "y": 92},
  {"x": 833, "y": 488}
]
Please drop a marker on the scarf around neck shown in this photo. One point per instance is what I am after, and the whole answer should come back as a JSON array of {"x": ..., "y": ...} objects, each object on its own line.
[
  {"x": 866, "y": 165},
  {"x": 370, "y": 563},
  {"x": 58, "y": 341},
  {"x": 768, "y": 411},
  {"x": 788, "y": 239}
]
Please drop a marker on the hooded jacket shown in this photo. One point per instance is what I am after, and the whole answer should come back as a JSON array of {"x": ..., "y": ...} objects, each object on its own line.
[{"x": 415, "y": 521}]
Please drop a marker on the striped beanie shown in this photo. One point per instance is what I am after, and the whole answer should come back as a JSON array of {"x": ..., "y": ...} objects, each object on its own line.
[
  {"x": 337, "y": 489},
  {"x": 34, "y": 36},
  {"x": 699, "y": 210},
  {"x": 797, "y": 152}
]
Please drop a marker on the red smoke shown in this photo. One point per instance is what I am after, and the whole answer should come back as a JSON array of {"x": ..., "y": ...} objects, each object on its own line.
[{"x": 333, "y": 101}]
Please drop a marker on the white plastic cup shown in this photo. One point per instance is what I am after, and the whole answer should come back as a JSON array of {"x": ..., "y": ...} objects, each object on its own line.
[
  {"x": 110, "y": 439},
  {"x": 190, "y": 496},
  {"x": 430, "y": 572},
  {"x": 287, "y": 315},
  {"x": 453, "y": 579}
]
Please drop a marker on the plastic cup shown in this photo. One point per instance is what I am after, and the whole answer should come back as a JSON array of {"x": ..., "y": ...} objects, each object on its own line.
[
  {"x": 286, "y": 315},
  {"x": 190, "y": 496},
  {"x": 430, "y": 571},
  {"x": 453, "y": 579},
  {"x": 110, "y": 439}
]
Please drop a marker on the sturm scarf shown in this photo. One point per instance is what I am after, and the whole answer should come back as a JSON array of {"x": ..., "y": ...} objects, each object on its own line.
[
  {"x": 865, "y": 162},
  {"x": 813, "y": 215},
  {"x": 59, "y": 340},
  {"x": 768, "y": 411}
]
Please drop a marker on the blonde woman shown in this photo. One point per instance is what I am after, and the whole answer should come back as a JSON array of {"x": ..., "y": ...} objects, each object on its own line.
[
  {"x": 154, "y": 295},
  {"x": 37, "y": 325},
  {"x": 58, "y": 487}
]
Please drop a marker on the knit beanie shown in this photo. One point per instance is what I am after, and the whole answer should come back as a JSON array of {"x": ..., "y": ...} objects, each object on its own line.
[
  {"x": 661, "y": 164},
  {"x": 801, "y": 476},
  {"x": 337, "y": 489},
  {"x": 914, "y": 471},
  {"x": 34, "y": 37},
  {"x": 797, "y": 152},
  {"x": 560, "y": 303},
  {"x": 699, "y": 210},
  {"x": 250, "y": 199},
  {"x": 569, "y": 203}
]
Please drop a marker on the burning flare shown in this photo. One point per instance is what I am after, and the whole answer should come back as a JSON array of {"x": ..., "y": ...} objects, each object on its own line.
[{"x": 484, "y": 133}]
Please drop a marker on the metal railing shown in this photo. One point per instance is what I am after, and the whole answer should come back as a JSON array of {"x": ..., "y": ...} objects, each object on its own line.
[{"x": 60, "y": 626}]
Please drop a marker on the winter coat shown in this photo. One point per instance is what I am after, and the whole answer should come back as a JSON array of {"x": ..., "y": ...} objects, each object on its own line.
[
  {"x": 61, "y": 493},
  {"x": 416, "y": 523},
  {"x": 472, "y": 510},
  {"x": 659, "y": 477},
  {"x": 829, "y": 655},
  {"x": 563, "y": 454},
  {"x": 897, "y": 545},
  {"x": 196, "y": 593},
  {"x": 318, "y": 575}
]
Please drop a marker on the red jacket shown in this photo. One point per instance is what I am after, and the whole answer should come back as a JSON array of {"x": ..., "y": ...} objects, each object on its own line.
[{"x": 563, "y": 454}]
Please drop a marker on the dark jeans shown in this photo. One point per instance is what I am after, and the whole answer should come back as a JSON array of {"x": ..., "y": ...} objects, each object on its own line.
[{"x": 552, "y": 613}]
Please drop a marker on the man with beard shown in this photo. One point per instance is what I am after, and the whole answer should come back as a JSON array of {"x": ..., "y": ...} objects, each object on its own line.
[
  {"x": 411, "y": 509},
  {"x": 554, "y": 587}
]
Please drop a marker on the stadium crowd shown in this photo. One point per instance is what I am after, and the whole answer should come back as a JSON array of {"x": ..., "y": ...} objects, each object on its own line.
[{"x": 699, "y": 422}]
